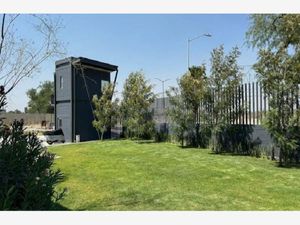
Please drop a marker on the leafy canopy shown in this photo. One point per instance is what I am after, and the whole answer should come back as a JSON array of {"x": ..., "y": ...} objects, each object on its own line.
[
  {"x": 278, "y": 38},
  {"x": 137, "y": 98},
  {"x": 224, "y": 79},
  {"x": 106, "y": 110},
  {"x": 40, "y": 98}
]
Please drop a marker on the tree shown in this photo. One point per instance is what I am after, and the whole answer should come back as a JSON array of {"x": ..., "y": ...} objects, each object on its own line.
[
  {"x": 106, "y": 110},
  {"x": 181, "y": 117},
  {"x": 27, "y": 179},
  {"x": 224, "y": 79},
  {"x": 274, "y": 31},
  {"x": 15, "y": 111},
  {"x": 137, "y": 97},
  {"x": 21, "y": 56},
  {"x": 278, "y": 38},
  {"x": 193, "y": 87},
  {"x": 40, "y": 98}
]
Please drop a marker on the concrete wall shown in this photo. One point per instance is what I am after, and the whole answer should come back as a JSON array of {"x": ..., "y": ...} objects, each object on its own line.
[
  {"x": 30, "y": 119},
  {"x": 258, "y": 131}
]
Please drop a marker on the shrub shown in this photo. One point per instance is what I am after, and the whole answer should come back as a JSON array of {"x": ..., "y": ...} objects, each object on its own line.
[
  {"x": 27, "y": 181},
  {"x": 234, "y": 139},
  {"x": 161, "y": 136}
]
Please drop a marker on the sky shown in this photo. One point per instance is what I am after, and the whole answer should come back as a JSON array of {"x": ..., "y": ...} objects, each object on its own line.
[{"x": 153, "y": 43}]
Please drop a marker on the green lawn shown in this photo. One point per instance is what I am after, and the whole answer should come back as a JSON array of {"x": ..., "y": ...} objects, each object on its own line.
[{"x": 125, "y": 175}]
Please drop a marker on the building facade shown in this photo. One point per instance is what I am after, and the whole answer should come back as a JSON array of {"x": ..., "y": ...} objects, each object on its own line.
[{"x": 76, "y": 81}]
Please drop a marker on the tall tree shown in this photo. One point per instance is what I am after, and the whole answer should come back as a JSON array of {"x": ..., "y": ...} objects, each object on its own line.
[
  {"x": 106, "y": 110},
  {"x": 225, "y": 77},
  {"x": 193, "y": 86},
  {"x": 21, "y": 55},
  {"x": 278, "y": 39},
  {"x": 40, "y": 98},
  {"x": 137, "y": 97},
  {"x": 180, "y": 115},
  {"x": 274, "y": 31},
  {"x": 27, "y": 178}
]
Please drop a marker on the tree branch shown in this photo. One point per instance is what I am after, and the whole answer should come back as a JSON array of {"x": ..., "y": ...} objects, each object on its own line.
[{"x": 2, "y": 32}]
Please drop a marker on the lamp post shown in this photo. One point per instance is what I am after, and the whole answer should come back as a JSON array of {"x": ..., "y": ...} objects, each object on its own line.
[
  {"x": 188, "y": 46},
  {"x": 163, "y": 96},
  {"x": 163, "y": 90}
]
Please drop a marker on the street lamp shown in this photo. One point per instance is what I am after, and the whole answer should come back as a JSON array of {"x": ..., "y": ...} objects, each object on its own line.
[
  {"x": 189, "y": 41},
  {"x": 163, "y": 89},
  {"x": 164, "y": 104}
]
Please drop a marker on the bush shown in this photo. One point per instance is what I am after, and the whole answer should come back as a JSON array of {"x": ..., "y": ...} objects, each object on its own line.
[
  {"x": 27, "y": 181},
  {"x": 234, "y": 139},
  {"x": 161, "y": 136},
  {"x": 204, "y": 136}
]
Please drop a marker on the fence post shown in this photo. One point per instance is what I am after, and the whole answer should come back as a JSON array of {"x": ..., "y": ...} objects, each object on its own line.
[
  {"x": 243, "y": 108},
  {"x": 249, "y": 86},
  {"x": 261, "y": 103},
  {"x": 257, "y": 108},
  {"x": 253, "y": 104},
  {"x": 246, "y": 103}
]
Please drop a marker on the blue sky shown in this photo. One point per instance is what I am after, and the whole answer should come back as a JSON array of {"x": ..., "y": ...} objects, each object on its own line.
[{"x": 156, "y": 44}]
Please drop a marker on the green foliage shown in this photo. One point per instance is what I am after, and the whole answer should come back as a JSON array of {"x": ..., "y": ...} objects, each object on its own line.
[
  {"x": 161, "y": 136},
  {"x": 235, "y": 139},
  {"x": 40, "y": 98},
  {"x": 225, "y": 77},
  {"x": 137, "y": 98},
  {"x": 27, "y": 181},
  {"x": 106, "y": 110},
  {"x": 274, "y": 31},
  {"x": 193, "y": 87},
  {"x": 278, "y": 70},
  {"x": 181, "y": 117}
]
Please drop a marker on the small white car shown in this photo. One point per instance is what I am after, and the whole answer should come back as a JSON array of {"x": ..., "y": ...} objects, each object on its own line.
[{"x": 53, "y": 136}]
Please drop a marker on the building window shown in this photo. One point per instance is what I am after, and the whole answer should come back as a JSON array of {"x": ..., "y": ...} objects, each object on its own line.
[
  {"x": 103, "y": 84},
  {"x": 61, "y": 82},
  {"x": 59, "y": 122}
]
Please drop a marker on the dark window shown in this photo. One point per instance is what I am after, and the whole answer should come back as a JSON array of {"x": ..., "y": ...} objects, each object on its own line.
[
  {"x": 61, "y": 82},
  {"x": 59, "y": 122}
]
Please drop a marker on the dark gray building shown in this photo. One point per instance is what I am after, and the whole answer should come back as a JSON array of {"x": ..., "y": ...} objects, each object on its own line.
[{"x": 76, "y": 81}]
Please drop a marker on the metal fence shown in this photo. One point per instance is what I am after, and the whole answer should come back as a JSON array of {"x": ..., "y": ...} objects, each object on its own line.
[{"x": 248, "y": 104}]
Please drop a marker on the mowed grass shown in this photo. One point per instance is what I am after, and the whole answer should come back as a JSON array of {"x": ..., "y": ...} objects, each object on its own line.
[{"x": 125, "y": 175}]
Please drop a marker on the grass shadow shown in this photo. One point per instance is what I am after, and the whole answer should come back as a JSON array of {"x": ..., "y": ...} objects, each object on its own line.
[
  {"x": 188, "y": 147},
  {"x": 59, "y": 207},
  {"x": 145, "y": 141},
  {"x": 129, "y": 200},
  {"x": 228, "y": 154},
  {"x": 289, "y": 166}
]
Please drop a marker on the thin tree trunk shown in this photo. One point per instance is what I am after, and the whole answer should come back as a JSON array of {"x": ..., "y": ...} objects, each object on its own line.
[
  {"x": 102, "y": 134},
  {"x": 197, "y": 125},
  {"x": 280, "y": 157}
]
